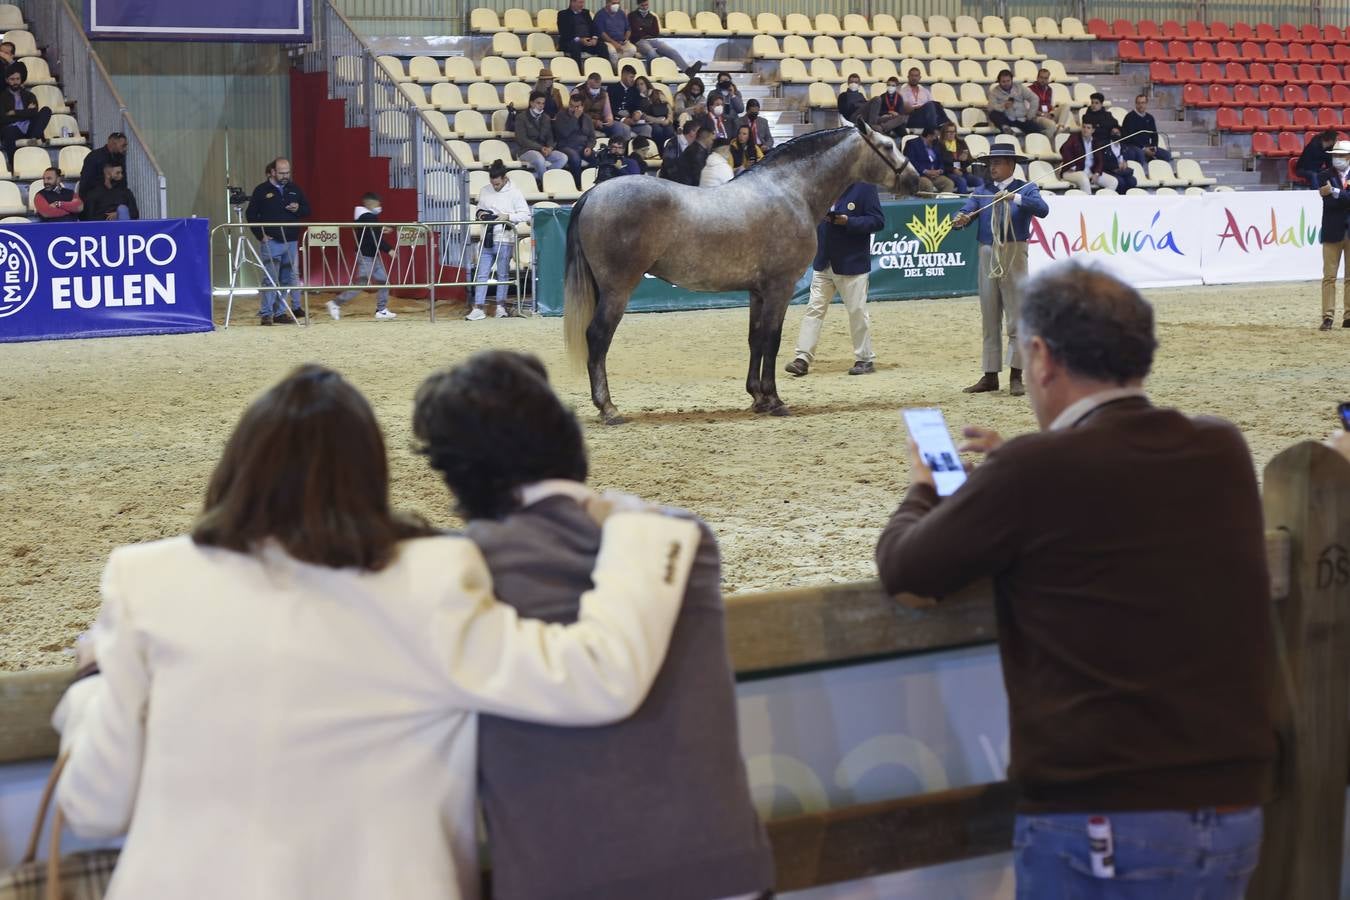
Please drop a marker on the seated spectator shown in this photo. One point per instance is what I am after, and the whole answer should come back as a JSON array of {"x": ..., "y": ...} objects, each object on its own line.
[
  {"x": 22, "y": 119},
  {"x": 1117, "y": 163},
  {"x": 611, "y": 161},
  {"x": 577, "y": 35},
  {"x": 485, "y": 425},
  {"x": 498, "y": 201},
  {"x": 626, "y": 101},
  {"x": 1314, "y": 163},
  {"x": 323, "y": 630},
  {"x": 1053, "y": 117},
  {"x": 1012, "y": 107},
  {"x": 886, "y": 112},
  {"x": 852, "y": 101},
  {"x": 1099, "y": 116},
  {"x": 690, "y": 99},
  {"x": 694, "y": 158},
  {"x": 575, "y": 133},
  {"x": 744, "y": 152},
  {"x": 717, "y": 169},
  {"x": 9, "y": 59},
  {"x": 956, "y": 161},
  {"x": 921, "y": 110},
  {"x": 56, "y": 202},
  {"x": 923, "y": 155},
  {"x": 611, "y": 24},
  {"x": 111, "y": 200},
  {"x": 1084, "y": 164},
  {"x": 656, "y": 112},
  {"x": 641, "y": 151},
  {"x": 91, "y": 173},
  {"x": 735, "y": 103},
  {"x": 720, "y": 119},
  {"x": 672, "y": 153},
  {"x": 534, "y": 136},
  {"x": 556, "y": 99},
  {"x": 369, "y": 267},
  {"x": 761, "y": 135},
  {"x": 1142, "y": 132},
  {"x": 645, "y": 32},
  {"x": 598, "y": 107}
]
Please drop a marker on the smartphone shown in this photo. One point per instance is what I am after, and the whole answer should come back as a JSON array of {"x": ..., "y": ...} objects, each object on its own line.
[
  {"x": 928, "y": 428},
  {"x": 1344, "y": 410}
]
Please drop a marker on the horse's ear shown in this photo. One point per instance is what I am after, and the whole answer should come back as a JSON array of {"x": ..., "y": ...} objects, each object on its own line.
[{"x": 863, "y": 127}]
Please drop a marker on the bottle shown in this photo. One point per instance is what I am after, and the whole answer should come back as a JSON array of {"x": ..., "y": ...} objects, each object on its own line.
[{"x": 1100, "y": 847}]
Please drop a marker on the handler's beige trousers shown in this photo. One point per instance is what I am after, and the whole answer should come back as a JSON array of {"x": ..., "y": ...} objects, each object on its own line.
[
  {"x": 1331, "y": 261},
  {"x": 1080, "y": 180},
  {"x": 853, "y": 291},
  {"x": 1000, "y": 302}
]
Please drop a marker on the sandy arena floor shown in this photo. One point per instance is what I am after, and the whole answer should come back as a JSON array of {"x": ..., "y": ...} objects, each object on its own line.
[{"x": 111, "y": 441}]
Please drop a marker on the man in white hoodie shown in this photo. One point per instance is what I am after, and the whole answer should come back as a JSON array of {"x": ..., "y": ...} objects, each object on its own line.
[
  {"x": 369, "y": 268},
  {"x": 500, "y": 201}
]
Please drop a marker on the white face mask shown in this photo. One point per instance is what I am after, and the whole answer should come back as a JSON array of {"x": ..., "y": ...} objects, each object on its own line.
[
  {"x": 1341, "y": 163},
  {"x": 536, "y": 112},
  {"x": 595, "y": 92},
  {"x": 717, "y": 110},
  {"x": 614, "y": 7},
  {"x": 854, "y": 86},
  {"x": 377, "y": 209},
  {"x": 892, "y": 88}
]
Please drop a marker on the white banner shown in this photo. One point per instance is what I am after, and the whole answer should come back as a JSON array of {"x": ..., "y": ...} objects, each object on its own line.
[
  {"x": 1146, "y": 241},
  {"x": 1260, "y": 236}
]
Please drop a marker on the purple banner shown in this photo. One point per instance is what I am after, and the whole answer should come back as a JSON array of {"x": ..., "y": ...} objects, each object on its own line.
[{"x": 174, "y": 20}]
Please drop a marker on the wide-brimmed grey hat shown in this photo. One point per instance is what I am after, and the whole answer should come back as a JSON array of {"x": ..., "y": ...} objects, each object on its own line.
[
  {"x": 1341, "y": 148},
  {"x": 1004, "y": 150}
]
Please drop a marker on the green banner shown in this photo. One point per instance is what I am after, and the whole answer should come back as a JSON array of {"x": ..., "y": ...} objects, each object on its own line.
[{"x": 917, "y": 254}]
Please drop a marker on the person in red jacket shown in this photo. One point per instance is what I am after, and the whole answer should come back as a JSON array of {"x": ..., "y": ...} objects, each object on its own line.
[{"x": 56, "y": 202}]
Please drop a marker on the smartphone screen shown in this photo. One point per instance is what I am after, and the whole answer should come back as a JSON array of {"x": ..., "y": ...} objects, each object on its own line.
[
  {"x": 1344, "y": 410},
  {"x": 929, "y": 430}
]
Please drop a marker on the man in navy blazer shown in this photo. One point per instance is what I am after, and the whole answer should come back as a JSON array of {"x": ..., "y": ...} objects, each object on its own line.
[
  {"x": 843, "y": 262},
  {"x": 1335, "y": 190},
  {"x": 922, "y": 153}
]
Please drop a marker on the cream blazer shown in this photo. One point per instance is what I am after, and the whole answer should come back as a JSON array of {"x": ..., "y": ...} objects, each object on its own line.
[{"x": 268, "y": 729}]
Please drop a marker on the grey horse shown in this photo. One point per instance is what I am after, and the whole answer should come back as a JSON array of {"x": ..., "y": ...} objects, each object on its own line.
[{"x": 761, "y": 225}]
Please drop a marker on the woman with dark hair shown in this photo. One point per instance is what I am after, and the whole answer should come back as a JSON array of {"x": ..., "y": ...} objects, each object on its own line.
[
  {"x": 744, "y": 152},
  {"x": 690, "y": 99},
  {"x": 656, "y": 111},
  {"x": 285, "y": 699}
]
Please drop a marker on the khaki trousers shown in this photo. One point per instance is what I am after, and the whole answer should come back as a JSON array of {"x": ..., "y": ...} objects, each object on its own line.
[
  {"x": 853, "y": 291},
  {"x": 1080, "y": 180},
  {"x": 1331, "y": 260},
  {"x": 1000, "y": 303}
]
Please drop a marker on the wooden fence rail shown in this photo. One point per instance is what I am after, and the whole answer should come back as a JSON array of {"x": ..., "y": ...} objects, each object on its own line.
[{"x": 1307, "y": 508}]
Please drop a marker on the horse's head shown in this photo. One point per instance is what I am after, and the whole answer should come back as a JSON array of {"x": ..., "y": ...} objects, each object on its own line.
[{"x": 882, "y": 163}]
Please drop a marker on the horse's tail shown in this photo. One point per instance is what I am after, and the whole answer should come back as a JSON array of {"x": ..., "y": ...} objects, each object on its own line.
[{"x": 579, "y": 289}]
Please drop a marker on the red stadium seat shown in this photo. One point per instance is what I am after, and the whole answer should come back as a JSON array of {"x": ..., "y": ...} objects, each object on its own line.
[
  {"x": 1328, "y": 118},
  {"x": 1252, "y": 52},
  {"x": 1148, "y": 28},
  {"x": 1341, "y": 53},
  {"x": 1233, "y": 73},
  {"x": 1282, "y": 73},
  {"x": 1329, "y": 74},
  {"x": 1303, "y": 119},
  {"x": 1187, "y": 72},
  {"x": 1333, "y": 34},
  {"x": 1197, "y": 30},
  {"x": 1195, "y": 95},
  {"x": 1293, "y": 95},
  {"x": 1278, "y": 120},
  {"x": 1307, "y": 73},
  {"x": 1154, "y": 50},
  {"x": 1221, "y": 95},
  {"x": 1171, "y": 28},
  {"x": 1270, "y": 96},
  {"x": 1220, "y": 31},
  {"x": 1340, "y": 94},
  {"x": 1291, "y": 171},
  {"x": 1275, "y": 52},
  {"x": 1254, "y": 119},
  {"x": 1259, "y": 73},
  {"x": 1246, "y": 95},
  {"x": 1123, "y": 28},
  {"x": 1310, "y": 34},
  {"x": 1289, "y": 32},
  {"x": 1242, "y": 32},
  {"x": 1290, "y": 144},
  {"x": 1129, "y": 51},
  {"x": 1160, "y": 73},
  {"x": 1319, "y": 53},
  {"x": 1200, "y": 50},
  {"x": 1264, "y": 145},
  {"x": 1099, "y": 28},
  {"x": 1227, "y": 119},
  {"x": 1318, "y": 95},
  {"x": 1266, "y": 32},
  {"x": 1182, "y": 50},
  {"x": 1299, "y": 53}
]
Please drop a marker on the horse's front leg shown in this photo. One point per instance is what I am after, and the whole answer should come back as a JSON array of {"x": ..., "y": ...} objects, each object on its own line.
[
  {"x": 754, "y": 379},
  {"x": 774, "y": 310}
]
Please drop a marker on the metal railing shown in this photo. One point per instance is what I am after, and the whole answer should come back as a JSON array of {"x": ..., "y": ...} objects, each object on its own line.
[{"x": 98, "y": 107}]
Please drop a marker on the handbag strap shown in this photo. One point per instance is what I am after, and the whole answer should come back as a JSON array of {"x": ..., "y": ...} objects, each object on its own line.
[{"x": 48, "y": 792}]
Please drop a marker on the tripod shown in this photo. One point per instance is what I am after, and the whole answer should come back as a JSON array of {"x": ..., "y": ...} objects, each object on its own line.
[{"x": 244, "y": 256}]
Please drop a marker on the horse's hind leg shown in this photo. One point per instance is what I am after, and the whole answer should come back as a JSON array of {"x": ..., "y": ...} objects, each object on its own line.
[
  {"x": 608, "y": 311},
  {"x": 772, "y": 312}
]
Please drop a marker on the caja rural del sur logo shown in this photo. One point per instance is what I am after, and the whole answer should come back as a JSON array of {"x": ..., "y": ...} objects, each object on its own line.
[{"x": 921, "y": 255}]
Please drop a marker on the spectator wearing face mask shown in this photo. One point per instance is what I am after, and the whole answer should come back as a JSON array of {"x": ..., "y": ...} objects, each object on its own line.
[
  {"x": 596, "y": 101},
  {"x": 645, "y": 32},
  {"x": 611, "y": 23},
  {"x": 760, "y": 133},
  {"x": 575, "y": 134},
  {"x": 852, "y": 101},
  {"x": 887, "y": 112},
  {"x": 534, "y": 135},
  {"x": 1335, "y": 191},
  {"x": 370, "y": 269},
  {"x": 577, "y": 36},
  {"x": 735, "y": 103}
]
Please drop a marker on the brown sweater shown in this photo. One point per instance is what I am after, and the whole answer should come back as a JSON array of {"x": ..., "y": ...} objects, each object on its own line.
[{"x": 1132, "y": 599}]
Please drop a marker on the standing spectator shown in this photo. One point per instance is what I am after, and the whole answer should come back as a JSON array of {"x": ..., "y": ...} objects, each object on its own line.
[
  {"x": 1084, "y": 163},
  {"x": 534, "y": 136},
  {"x": 22, "y": 118},
  {"x": 717, "y": 169},
  {"x": 1127, "y": 549},
  {"x": 626, "y": 102},
  {"x": 886, "y": 112},
  {"x": 1118, "y": 163},
  {"x": 369, "y": 267},
  {"x": 280, "y": 204},
  {"x": 695, "y": 158},
  {"x": 921, "y": 110},
  {"x": 91, "y": 173},
  {"x": 672, "y": 155},
  {"x": 611, "y": 24},
  {"x": 1004, "y": 206},
  {"x": 922, "y": 153},
  {"x": 735, "y": 104},
  {"x": 576, "y": 32},
  {"x": 556, "y": 100},
  {"x": 600, "y": 110},
  {"x": 1335, "y": 190},
  {"x": 956, "y": 161},
  {"x": 744, "y": 152},
  {"x": 852, "y": 101},
  {"x": 1012, "y": 106},
  {"x": 255, "y": 667},
  {"x": 644, "y": 30},
  {"x": 1314, "y": 163},
  {"x": 485, "y": 425},
  {"x": 56, "y": 202},
  {"x": 1053, "y": 117},
  {"x": 112, "y": 200},
  {"x": 498, "y": 201},
  {"x": 761, "y": 135},
  {"x": 689, "y": 98},
  {"x": 575, "y": 134},
  {"x": 1143, "y": 130},
  {"x": 9, "y": 59},
  {"x": 656, "y": 112},
  {"x": 1100, "y": 116},
  {"x": 843, "y": 262}
]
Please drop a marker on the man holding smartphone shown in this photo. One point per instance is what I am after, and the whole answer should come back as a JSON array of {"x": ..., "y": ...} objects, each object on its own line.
[
  {"x": 843, "y": 262},
  {"x": 1126, "y": 546}
]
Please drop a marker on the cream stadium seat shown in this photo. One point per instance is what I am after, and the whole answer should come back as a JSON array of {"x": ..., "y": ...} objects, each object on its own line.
[
  {"x": 856, "y": 47},
  {"x": 770, "y": 24},
  {"x": 945, "y": 94},
  {"x": 639, "y": 67},
  {"x": 392, "y": 65},
  {"x": 560, "y": 185},
  {"x": 941, "y": 48},
  {"x": 883, "y": 69},
  {"x": 33, "y": 190},
  {"x": 494, "y": 68},
  {"x": 1165, "y": 191},
  {"x": 1072, "y": 29},
  {"x": 913, "y": 48},
  {"x": 941, "y": 26},
  {"x": 992, "y": 26},
  {"x": 885, "y": 47},
  {"x": 498, "y": 127},
  {"x": 966, "y": 25},
  {"x": 1136, "y": 192},
  {"x": 1057, "y": 72},
  {"x": 494, "y": 150},
  {"x": 1020, "y": 26},
  {"x": 1023, "y": 48},
  {"x": 416, "y": 94},
  {"x": 709, "y": 23},
  {"x": 440, "y": 125},
  {"x": 477, "y": 181},
  {"x": 31, "y": 162},
  {"x": 970, "y": 70},
  {"x": 1161, "y": 171},
  {"x": 849, "y": 67},
  {"x": 460, "y": 70},
  {"x": 516, "y": 95},
  {"x": 1222, "y": 188},
  {"x": 518, "y": 21},
  {"x": 826, "y": 47},
  {"x": 527, "y": 185},
  {"x": 588, "y": 179},
  {"x": 821, "y": 96},
  {"x": 506, "y": 43},
  {"x": 939, "y": 70},
  {"x": 602, "y": 66},
  {"x": 484, "y": 21},
  {"x": 565, "y": 69},
  {"x": 856, "y": 24},
  {"x": 463, "y": 154},
  {"x": 24, "y": 45},
  {"x": 1075, "y": 192},
  {"x": 11, "y": 204},
  {"x": 665, "y": 70},
  {"x": 349, "y": 69},
  {"x": 71, "y": 160},
  {"x": 996, "y": 48},
  {"x": 924, "y": 70},
  {"x": 993, "y": 68},
  {"x": 470, "y": 125},
  {"x": 740, "y": 24},
  {"x": 1044, "y": 175},
  {"x": 793, "y": 71},
  {"x": 528, "y": 69},
  {"x": 1118, "y": 113},
  {"x": 541, "y": 45},
  {"x": 1141, "y": 176},
  {"x": 974, "y": 121},
  {"x": 1189, "y": 170},
  {"x": 483, "y": 97},
  {"x": 424, "y": 70},
  {"x": 800, "y": 23},
  {"x": 824, "y": 70},
  {"x": 828, "y": 23},
  {"x": 1195, "y": 192},
  {"x": 447, "y": 98},
  {"x": 876, "y": 90},
  {"x": 973, "y": 95},
  {"x": 969, "y": 48},
  {"x": 1060, "y": 94},
  {"x": 1081, "y": 92},
  {"x": 884, "y": 23},
  {"x": 978, "y": 145},
  {"x": 50, "y": 96},
  {"x": 677, "y": 23},
  {"x": 1048, "y": 28},
  {"x": 795, "y": 46},
  {"x": 913, "y": 25},
  {"x": 11, "y": 17},
  {"x": 1038, "y": 147},
  {"x": 1024, "y": 70},
  {"x": 547, "y": 20},
  {"x": 1060, "y": 140}
]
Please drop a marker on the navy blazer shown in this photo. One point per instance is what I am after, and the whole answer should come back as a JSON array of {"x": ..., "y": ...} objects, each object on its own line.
[
  {"x": 1336, "y": 209},
  {"x": 1033, "y": 204},
  {"x": 921, "y": 156},
  {"x": 847, "y": 249}
]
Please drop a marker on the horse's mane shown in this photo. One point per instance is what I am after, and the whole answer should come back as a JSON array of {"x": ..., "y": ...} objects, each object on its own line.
[{"x": 803, "y": 146}]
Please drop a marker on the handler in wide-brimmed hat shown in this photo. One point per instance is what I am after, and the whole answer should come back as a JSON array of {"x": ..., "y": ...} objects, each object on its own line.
[
  {"x": 1335, "y": 191},
  {"x": 1004, "y": 206}
]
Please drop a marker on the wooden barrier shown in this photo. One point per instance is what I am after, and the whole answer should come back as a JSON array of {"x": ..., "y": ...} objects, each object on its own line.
[{"x": 1307, "y": 508}]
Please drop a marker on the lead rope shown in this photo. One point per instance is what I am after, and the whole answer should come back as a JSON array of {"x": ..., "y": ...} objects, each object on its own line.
[{"x": 1000, "y": 228}]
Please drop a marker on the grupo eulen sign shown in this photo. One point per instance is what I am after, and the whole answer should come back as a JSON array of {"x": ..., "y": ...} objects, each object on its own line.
[{"x": 104, "y": 278}]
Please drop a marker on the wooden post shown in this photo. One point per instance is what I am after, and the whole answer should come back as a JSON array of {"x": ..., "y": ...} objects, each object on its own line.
[{"x": 1307, "y": 493}]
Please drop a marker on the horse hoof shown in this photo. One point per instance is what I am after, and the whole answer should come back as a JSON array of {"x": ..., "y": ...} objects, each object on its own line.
[
  {"x": 780, "y": 410},
  {"x": 614, "y": 419}
]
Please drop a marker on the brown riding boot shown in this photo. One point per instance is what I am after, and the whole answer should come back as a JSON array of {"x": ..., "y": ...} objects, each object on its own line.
[
  {"x": 1015, "y": 387},
  {"x": 988, "y": 382}
]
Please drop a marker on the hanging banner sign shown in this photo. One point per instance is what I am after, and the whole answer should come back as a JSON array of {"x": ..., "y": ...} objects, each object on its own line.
[{"x": 173, "y": 20}]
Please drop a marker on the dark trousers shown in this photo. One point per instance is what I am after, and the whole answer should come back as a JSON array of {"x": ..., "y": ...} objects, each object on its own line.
[
  {"x": 577, "y": 52},
  {"x": 1312, "y": 177},
  {"x": 1001, "y": 120},
  {"x": 930, "y": 115},
  {"x": 10, "y": 135},
  {"x": 1125, "y": 179},
  {"x": 965, "y": 183}
]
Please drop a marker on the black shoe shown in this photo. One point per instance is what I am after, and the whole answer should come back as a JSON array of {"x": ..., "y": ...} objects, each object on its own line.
[
  {"x": 797, "y": 367},
  {"x": 1346, "y": 323},
  {"x": 863, "y": 368},
  {"x": 693, "y": 69},
  {"x": 299, "y": 313},
  {"x": 264, "y": 320},
  {"x": 1326, "y": 325},
  {"x": 282, "y": 320},
  {"x": 988, "y": 382}
]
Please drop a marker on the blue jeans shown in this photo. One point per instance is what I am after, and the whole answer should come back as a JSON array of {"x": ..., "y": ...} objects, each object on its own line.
[
  {"x": 1168, "y": 855},
  {"x": 500, "y": 251},
  {"x": 279, "y": 259},
  {"x": 369, "y": 270}
]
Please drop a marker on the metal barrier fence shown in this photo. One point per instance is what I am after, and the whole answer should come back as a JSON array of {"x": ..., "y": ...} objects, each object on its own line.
[
  {"x": 99, "y": 108},
  {"x": 461, "y": 249}
]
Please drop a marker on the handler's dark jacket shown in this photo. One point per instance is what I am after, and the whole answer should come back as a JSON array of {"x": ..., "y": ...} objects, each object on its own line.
[
  {"x": 847, "y": 249},
  {"x": 268, "y": 204},
  {"x": 1336, "y": 209}
]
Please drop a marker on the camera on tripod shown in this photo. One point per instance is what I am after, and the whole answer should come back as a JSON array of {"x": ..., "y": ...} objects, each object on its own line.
[{"x": 237, "y": 196}]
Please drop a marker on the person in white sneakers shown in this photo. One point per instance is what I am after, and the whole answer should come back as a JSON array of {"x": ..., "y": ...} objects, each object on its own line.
[
  {"x": 499, "y": 201},
  {"x": 369, "y": 267}
]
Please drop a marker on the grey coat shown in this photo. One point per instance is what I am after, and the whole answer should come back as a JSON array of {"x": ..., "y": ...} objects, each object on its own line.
[
  {"x": 533, "y": 132},
  {"x": 657, "y": 807}
]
